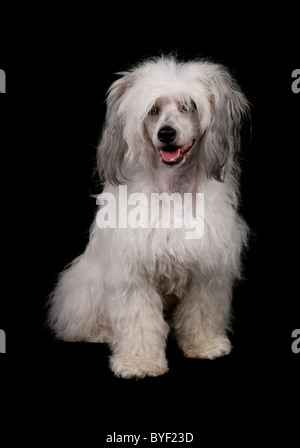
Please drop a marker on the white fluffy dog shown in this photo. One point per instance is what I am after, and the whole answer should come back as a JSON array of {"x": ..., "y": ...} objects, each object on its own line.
[{"x": 170, "y": 128}]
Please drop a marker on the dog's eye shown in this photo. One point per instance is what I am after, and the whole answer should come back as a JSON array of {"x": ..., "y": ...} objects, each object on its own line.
[
  {"x": 188, "y": 107},
  {"x": 184, "y": 108},
  {"x": 153, "y": 111},
  {"x": 193, "y": 105}
]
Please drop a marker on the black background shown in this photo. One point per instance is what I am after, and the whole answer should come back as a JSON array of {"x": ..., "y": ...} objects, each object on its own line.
[{"x": 58, "y": 67}]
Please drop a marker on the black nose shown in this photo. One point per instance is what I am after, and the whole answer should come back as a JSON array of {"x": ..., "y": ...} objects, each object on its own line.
[{"x": 166, "y": 134}]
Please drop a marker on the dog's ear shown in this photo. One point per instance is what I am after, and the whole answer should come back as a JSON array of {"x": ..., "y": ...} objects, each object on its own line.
[
  {"x": 221, "y": 141},
  {"x": 112, "y": 146}
]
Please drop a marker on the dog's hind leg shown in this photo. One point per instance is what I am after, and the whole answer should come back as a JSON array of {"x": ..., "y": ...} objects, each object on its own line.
[{"x": 76, "y": 303}]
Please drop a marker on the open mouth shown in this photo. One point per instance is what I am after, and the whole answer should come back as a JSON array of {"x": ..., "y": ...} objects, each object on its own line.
[{"x": 172, "y": 155}]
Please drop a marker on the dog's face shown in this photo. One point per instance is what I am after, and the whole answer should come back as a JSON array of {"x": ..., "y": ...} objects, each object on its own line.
[
  {"x": 173, "y": 128},
  {"x": 184, "y": 113}
]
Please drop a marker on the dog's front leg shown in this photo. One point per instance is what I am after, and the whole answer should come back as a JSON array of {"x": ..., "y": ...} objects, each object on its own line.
[
  {"x": 201, "y": 318},
  {"x": 139, "y": 333}
]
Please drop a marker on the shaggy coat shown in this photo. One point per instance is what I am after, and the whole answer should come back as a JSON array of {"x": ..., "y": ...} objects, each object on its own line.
[{"x": 170, "y": 128}]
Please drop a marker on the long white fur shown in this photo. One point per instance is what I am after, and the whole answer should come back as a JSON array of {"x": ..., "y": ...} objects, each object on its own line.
[{"x": 119, "y": 289}]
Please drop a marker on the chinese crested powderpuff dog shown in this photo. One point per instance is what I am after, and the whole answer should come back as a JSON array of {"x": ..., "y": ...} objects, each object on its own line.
[{"x": 172, "y": 134}]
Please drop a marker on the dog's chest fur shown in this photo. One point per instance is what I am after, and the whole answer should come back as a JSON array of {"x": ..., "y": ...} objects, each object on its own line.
[{"x": 169, "y": 267}]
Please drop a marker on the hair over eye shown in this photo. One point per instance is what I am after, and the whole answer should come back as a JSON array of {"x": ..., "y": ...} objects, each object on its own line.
[{"x": 188, "y": 107}]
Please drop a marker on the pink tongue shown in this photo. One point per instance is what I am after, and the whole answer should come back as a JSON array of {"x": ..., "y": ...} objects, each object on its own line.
[
  {"x": 170, "y": 156},
  {"x": 186, "y": 147}
]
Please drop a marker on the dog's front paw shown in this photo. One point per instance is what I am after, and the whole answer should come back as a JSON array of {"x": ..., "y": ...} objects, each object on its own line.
[
  {"x": 137, "y": 367},
  {"x": 209, "y": 348}
]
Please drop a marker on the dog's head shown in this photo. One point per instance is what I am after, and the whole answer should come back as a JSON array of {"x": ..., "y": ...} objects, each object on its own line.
[{"x": 172, "y": 113}]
